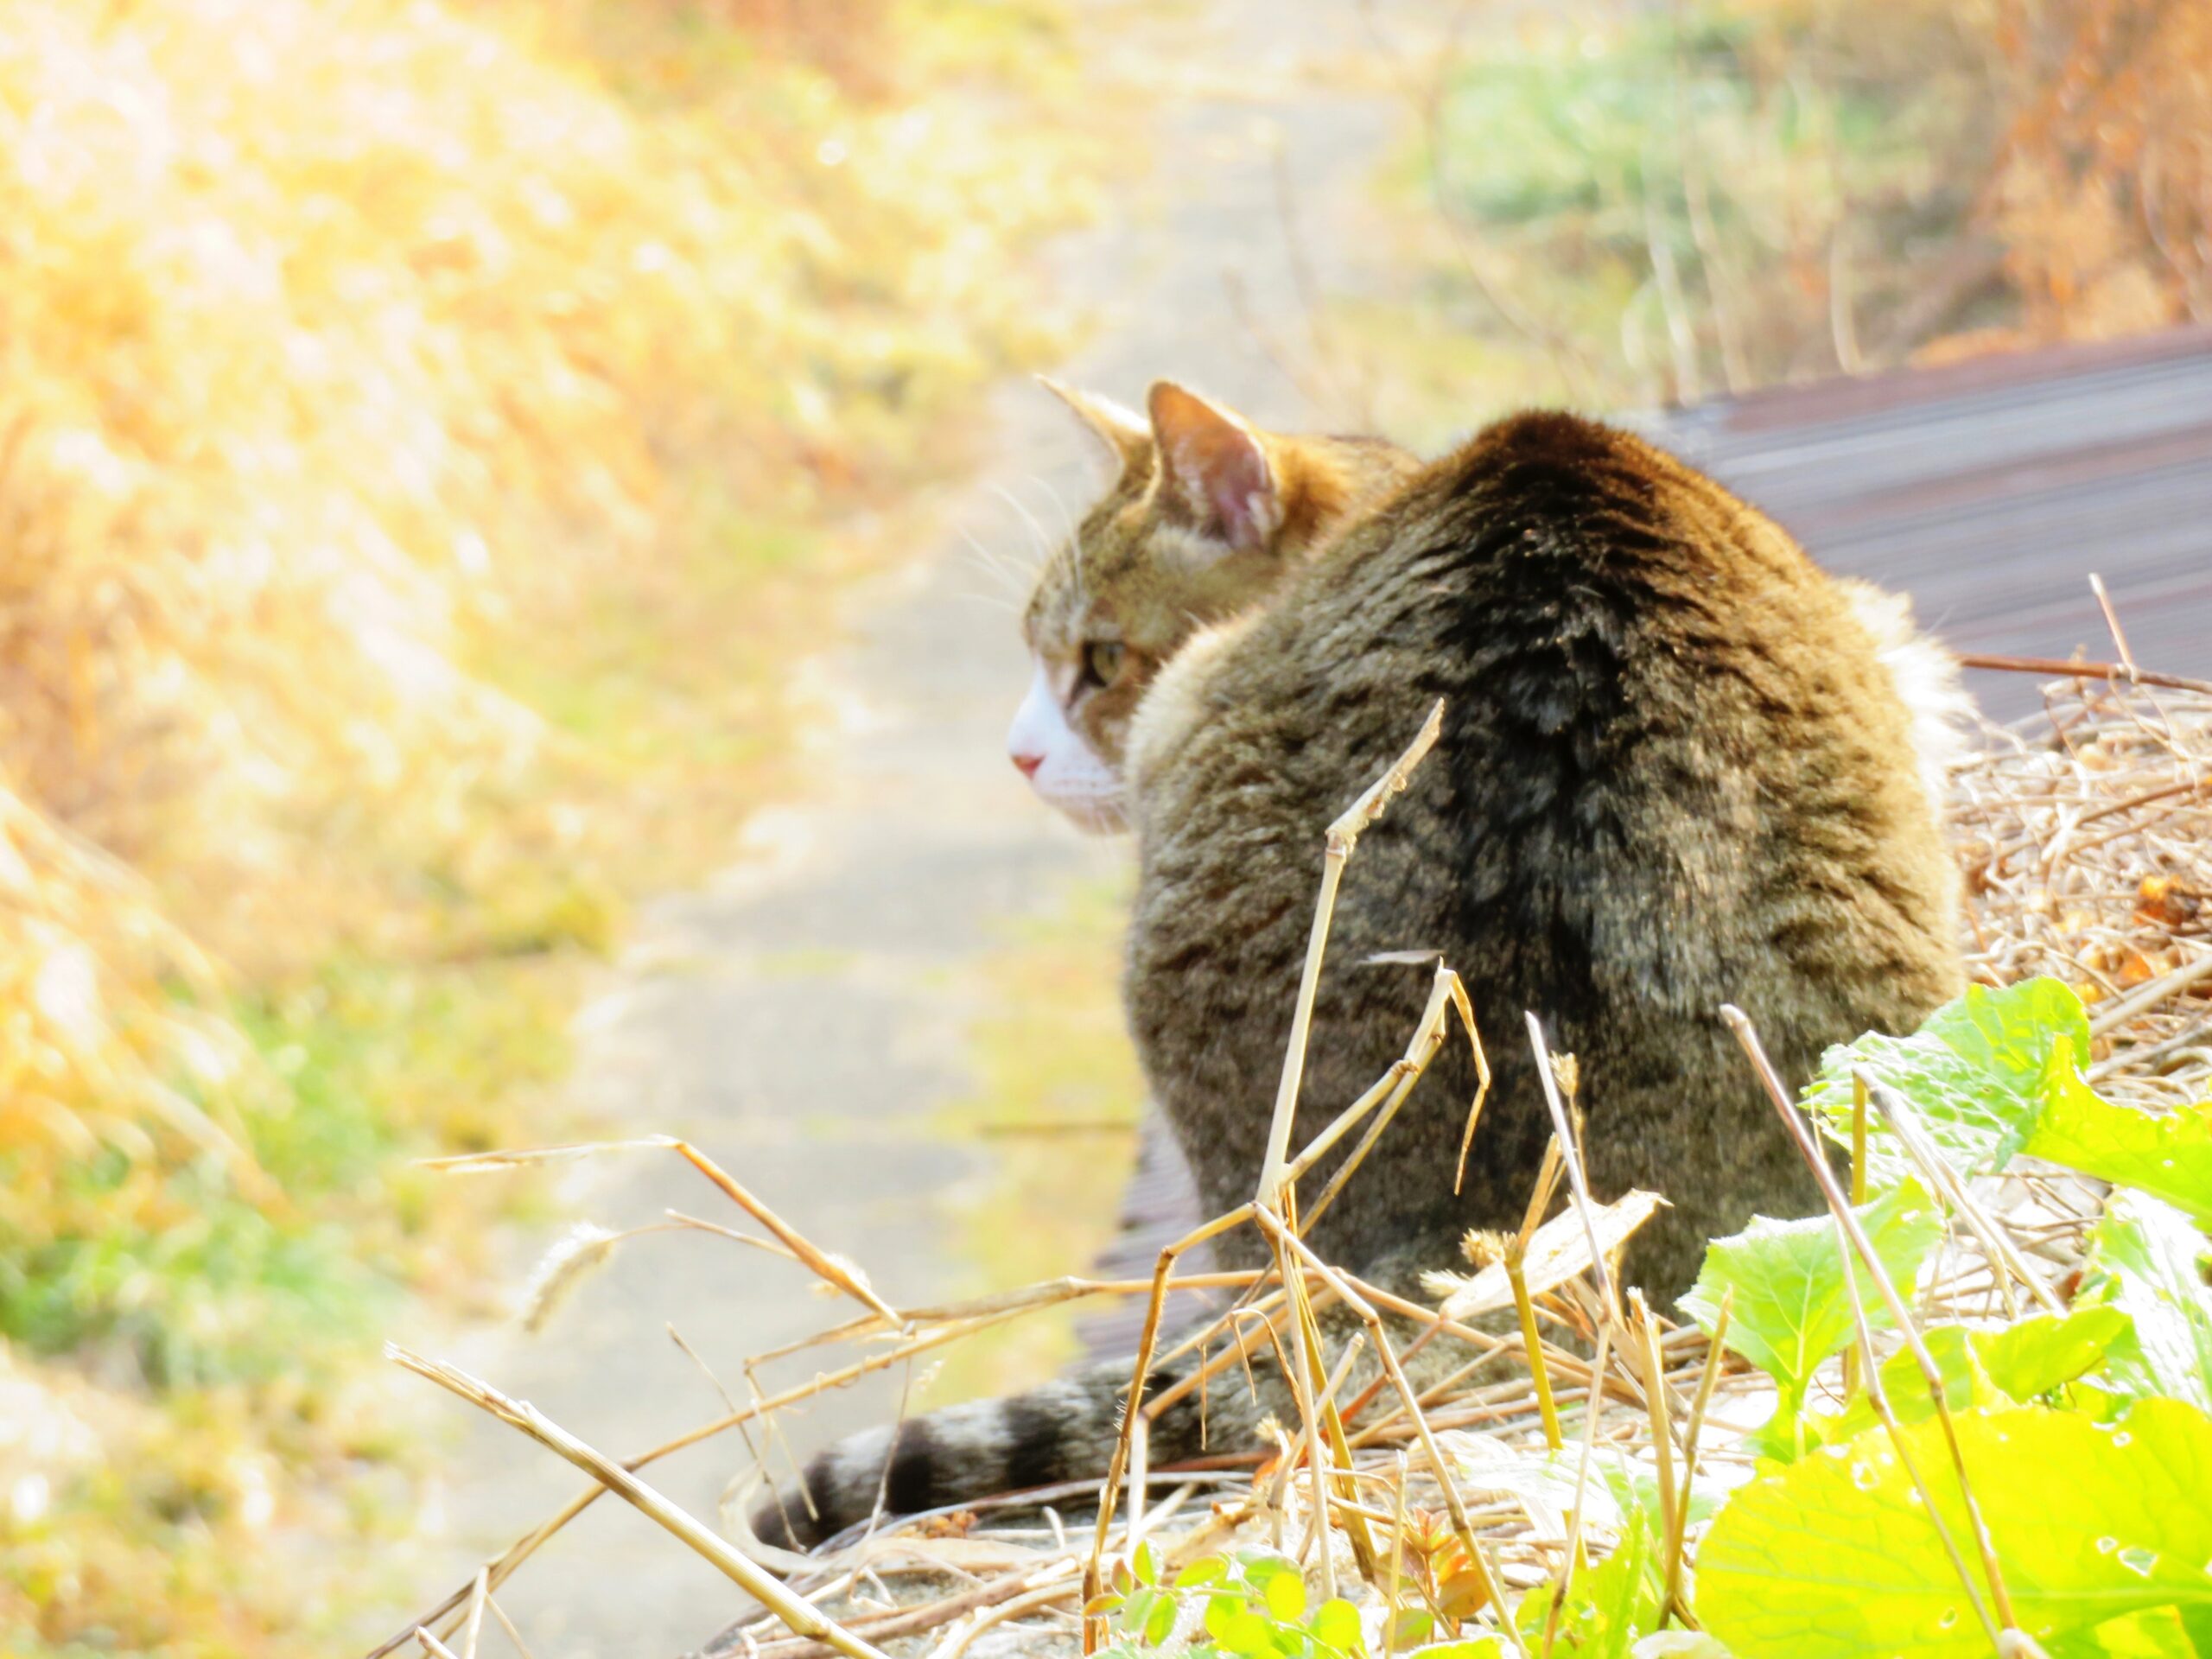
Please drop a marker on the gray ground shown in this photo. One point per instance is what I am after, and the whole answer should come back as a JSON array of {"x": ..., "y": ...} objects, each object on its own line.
[{"x": 802, "y": 1017}]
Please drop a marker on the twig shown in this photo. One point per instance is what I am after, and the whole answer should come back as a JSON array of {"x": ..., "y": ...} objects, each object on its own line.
[
  {"x": 2112, "y": 621},
  {"x": 755, "y": 1580},
  {"x": 2006, "y": 1261},
  {"x": 475, "y": 1625},
  {"x": 2150, "y": 994},
  {"x": 1715, "y": 1352},
  {"x": 508, "y": 1625},
  {"x": 2060, "y": 668},
  {"x": 1577, "y": 1186},
  {"x": 1591, "y": 1413},
  {"x": 1343, "y": 835}
]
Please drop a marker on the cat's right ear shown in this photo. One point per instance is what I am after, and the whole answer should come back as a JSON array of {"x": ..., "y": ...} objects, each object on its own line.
[
  {"x": 1216, "y": 466},
  {"x": 1122, "y": 431}
]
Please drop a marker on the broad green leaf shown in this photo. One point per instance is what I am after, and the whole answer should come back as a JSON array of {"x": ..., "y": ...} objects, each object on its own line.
[
  {"x": 1285, "y": 1594},
  {"x": 1792, "y": 1308},
  {"x": 2147, "y": 1260},
  {"x": 2168, "y": 1157},
  {"x": 2031, "y": 1358},
  {"x": 2158, "y": 1633},
  {"x": 1966, "y": 1384},
  {"x": 1679, "y": 1645},
  {"x": 2037, "y": 1355},
  {"x": 1834, "y": 1557},
  {"x": 1222, "y": 1607},
  {"x": 1974, "y": 1073}
]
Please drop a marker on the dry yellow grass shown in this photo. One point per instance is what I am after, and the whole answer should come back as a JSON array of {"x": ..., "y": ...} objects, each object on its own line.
[{"x": 424, "y": 426}]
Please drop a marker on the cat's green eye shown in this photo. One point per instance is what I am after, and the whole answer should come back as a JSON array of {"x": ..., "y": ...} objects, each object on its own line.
[{"x": 1102, "y": 661}]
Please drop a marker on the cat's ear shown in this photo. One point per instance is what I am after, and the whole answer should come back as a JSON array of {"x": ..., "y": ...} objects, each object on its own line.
[
  {"x": 1122, "y": 431},
  {"x": 1218, "y": 466}
]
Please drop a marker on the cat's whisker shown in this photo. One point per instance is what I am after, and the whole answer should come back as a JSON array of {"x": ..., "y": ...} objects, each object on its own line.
[
  {"x": 1036, "y": 528},
  {"x": 1059, "y": 503},
  {"x": 1011, "y": 574}
]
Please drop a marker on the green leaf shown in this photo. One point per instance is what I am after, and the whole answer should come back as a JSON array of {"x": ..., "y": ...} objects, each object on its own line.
[
  {"x": 1336, "y": 1624},
  {"x": 1207, "y": 1569},
  {"x": 1679, "y": 1645},
  {"x": 2156, "y": 1634},
  {"x": 1634, "y": 1490},
  {"x": 2146, "y": 1260},
  {"x": 1285, "y": 1594},
  {"x": 1161, "y": 1622},
  {"x": 1793, "y": 1309},
  {"x": 1834, "y": 1557},
  {"x": 2033, "y": 1357},
  {"x": 2040, "y": 1354},
  {"x": 1965, "y": 1383},
  {"x": 1242, "y": 1632},
  {"x": 1975, "y": 1072},
  {"x": 2169, "y": 1157},
  {"x": 1136, "y": 1608},
  {"x": 1147, "y": 1570},
  {"x": 1414, "y": 1623},
  {"x": 1220, "y": 1609}
]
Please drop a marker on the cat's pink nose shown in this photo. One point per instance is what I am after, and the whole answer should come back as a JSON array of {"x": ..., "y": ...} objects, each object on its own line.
[{"x": 1027, "y": 764}]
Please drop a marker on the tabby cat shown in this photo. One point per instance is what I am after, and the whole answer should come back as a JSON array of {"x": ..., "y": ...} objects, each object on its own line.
[{"x": 1676, "y": 770}]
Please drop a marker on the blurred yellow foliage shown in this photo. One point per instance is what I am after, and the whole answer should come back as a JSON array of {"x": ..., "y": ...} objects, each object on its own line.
[
  {"x": 2103, "y": 194},
  {"x": 339, "y": 336},
  {"x": 424, "y": 427}
]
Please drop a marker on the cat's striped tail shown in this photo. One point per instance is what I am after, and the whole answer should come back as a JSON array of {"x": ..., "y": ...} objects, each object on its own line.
[{"x": 1062, "y": 1430}]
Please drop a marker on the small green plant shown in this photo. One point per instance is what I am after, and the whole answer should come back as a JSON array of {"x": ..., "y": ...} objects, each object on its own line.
[
  {"x": 1252, "y": 1604},
  {"x": 2083, "y": 1438}
]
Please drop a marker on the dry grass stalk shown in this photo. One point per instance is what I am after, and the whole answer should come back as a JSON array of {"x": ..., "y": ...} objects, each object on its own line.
[
  {"x": 475, "y": 1628},
  {"x": 754, "y": 1580},
  {"x": 1343, "y": 835},
  {"x": 1547, "y": 1074},
  {"x": 1708, "y": 1375},
  {"x": 1672, "y": 1518},
  {"x": 1581, "y": 1493}
]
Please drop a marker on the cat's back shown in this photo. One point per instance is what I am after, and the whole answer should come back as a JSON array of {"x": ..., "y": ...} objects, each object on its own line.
[{"x": 1674, "y": 772}]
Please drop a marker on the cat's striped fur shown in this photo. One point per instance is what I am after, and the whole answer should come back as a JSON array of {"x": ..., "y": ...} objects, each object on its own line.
[{"x": 1676, "y": 770}]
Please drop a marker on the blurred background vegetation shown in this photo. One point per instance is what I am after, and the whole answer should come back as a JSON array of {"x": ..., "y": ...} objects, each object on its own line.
[
  {"x": 427, "y": 432},
  {"x": 430, "y": 429},
  {"x": 1637, "y": 205}
]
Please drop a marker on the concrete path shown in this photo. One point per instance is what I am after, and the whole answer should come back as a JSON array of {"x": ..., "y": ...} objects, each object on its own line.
[{"x": 804, "y": 1018}]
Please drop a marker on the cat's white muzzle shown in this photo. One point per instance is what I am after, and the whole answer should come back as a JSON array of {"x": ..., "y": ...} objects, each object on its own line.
[{"x": 1064, "y": 770}]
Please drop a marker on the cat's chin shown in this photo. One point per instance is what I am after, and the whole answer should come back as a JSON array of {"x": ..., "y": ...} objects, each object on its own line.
[{"x": 1095, "y": 815}]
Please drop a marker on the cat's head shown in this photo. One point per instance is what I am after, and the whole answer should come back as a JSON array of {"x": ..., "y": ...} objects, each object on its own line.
[{"x": 1205, "y": 514}]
